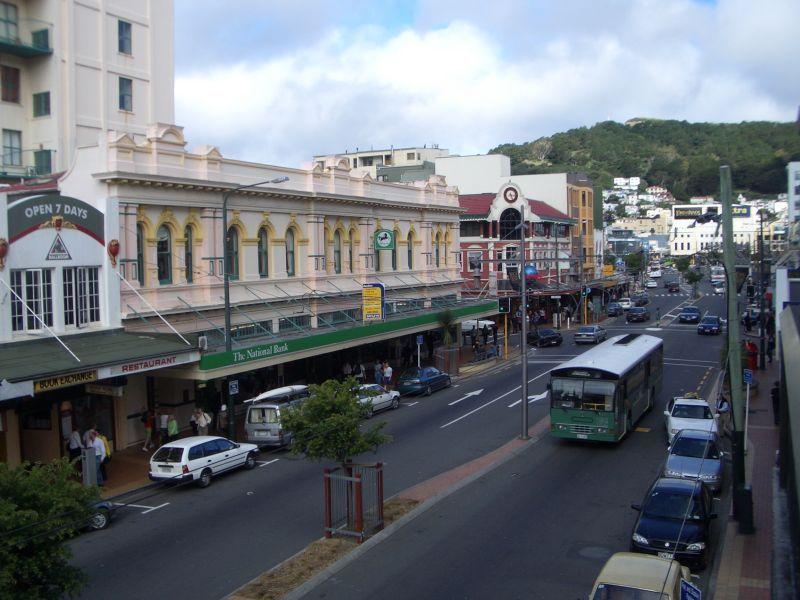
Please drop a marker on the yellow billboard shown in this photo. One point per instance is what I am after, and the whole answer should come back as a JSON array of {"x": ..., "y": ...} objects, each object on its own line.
[{"x": 372, "y": 295}]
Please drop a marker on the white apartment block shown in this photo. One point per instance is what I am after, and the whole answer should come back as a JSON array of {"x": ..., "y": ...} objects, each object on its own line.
[
  {"x": 688, "y": 237},
  {"x": 793, "y": 176},
  {"x": 363, "y": 162},
  {"x": 72, "y": 69}
]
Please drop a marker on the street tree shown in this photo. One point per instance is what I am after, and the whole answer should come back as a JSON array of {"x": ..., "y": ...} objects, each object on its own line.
[
  {"x": 682, "y": 264},
  {"x": 41, "y": 507},
  {"x": 329, "y": 424},
  {"x": 446, "y": 319},
  {"x": 634, "y": 261}
]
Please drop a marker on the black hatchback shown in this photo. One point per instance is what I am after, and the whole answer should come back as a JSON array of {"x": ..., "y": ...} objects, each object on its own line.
[
  {"x": 673, "y": 508},
  {"x": 637, "y": 313},
  {"x": 544, "y": 337}
]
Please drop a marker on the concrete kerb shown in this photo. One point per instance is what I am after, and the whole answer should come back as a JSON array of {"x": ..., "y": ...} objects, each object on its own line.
[{"x": 423, "y": 507}]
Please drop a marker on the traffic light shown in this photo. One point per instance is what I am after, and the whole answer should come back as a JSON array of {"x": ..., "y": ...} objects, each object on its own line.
[{"x": 505, "y": 305}]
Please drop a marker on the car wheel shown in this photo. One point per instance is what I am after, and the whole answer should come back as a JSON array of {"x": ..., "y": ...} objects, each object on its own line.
[
  {"x": 205, "y": 479},
  {"x": 250, "y": 461},
  {"x": 395, "y": 403},
  {"x": 100, "y": 519},
  {"x": 428, "y": 391}
]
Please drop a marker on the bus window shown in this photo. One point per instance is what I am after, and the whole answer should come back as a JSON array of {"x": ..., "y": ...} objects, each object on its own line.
[
  {"x": 583, "y": 394},
  {"x": 598, "y": 395},
  {"x": 566, "y": 393}
]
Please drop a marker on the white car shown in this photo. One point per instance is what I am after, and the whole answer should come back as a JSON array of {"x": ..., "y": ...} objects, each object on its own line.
[
  {"x": 651, "y": 283},
  {"x": 655, "y": 273},
  {"x": 200, "y": 457},
  {"x": 625, "y": 303},
  {"x": 719, "y": 289},
  {"x": 479, "y": 324},
  {"x": 688, "y": 413},
  {"x": 377, "y": 397}
]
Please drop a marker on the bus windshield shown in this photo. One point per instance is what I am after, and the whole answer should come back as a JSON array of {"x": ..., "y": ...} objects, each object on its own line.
[{"x": 584, "y": 394}]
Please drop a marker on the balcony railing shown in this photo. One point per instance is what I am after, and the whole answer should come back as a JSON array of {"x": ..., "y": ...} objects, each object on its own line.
[
  {"x": 42, "y": 165},
  {"x": 26, "y": 38}
]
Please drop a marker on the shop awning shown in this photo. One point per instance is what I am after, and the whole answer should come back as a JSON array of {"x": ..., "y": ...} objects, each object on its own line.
[{"x": 35, "y": 366}]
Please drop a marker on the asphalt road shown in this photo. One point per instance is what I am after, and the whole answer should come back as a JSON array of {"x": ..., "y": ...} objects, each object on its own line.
[{"x": 193, "y": 543}]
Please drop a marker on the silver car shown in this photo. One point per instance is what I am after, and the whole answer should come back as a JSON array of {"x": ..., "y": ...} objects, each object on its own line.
[
  {"x": 696, "y": 455},
  {"x": 593, "y": 334}
]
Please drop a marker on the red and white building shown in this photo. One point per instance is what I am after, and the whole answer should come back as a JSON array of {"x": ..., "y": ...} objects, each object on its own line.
[{"x": 490, "y": 234}]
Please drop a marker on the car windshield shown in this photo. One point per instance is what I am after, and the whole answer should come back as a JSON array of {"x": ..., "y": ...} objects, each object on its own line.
[
  {"x": 625, "y": 300},
  {"x": 168, "y": 454},
  {"x": 668, "y": 504},
  {"x": 695, "y": 448},
  {"x": 691, "y": 411},
  {"x": 709, "y": 320},
  {"x": 586, "y": 330},
  {"x": 691, "y": 309},
  {"x": 544, "y": 332},
  {"x": 411, "y": 374},
  {"x": 612, "y": 591},
  {"x": 259, "y": 416},
  {"x": 583, "y": 394}
]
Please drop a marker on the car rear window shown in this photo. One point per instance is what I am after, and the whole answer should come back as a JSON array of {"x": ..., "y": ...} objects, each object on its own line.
[
  {"x": 259, "y": 415},
  {"x": 168, "y": 454},
  {"x": 586, "y": 330},
  {"x": 411, "y": 374}
]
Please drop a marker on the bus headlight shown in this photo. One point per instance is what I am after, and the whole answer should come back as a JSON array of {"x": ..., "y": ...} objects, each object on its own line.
[
  {"x": 562, "y": 427},
  {"x": 601, "y": 429}
]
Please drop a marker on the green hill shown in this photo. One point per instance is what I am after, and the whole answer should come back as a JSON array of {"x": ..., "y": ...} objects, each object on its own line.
[{"x": 683, "y": 157}]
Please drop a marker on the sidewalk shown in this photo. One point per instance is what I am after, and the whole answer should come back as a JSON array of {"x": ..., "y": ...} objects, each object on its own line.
[{"x": 745, "y": 565}]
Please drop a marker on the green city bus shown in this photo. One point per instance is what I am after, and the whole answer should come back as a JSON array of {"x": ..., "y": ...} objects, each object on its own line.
[{"x": 601, "y": 394}]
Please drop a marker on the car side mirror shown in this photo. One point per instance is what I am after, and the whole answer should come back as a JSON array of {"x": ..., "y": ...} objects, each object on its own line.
[
  {"x": 635, "y": 506},
  {"x": 549, "y": 386},
  {"x": 236, "y": 445},
  {"x": 666, "y": 413}
]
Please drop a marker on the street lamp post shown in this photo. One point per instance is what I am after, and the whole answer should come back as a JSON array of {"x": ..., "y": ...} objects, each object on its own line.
[
  {"x": 762, "y": 302},
  {"x": 523, "y": 346},
  {"x": 227, "y": 293}
]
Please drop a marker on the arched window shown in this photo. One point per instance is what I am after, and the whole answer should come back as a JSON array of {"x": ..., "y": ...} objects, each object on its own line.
[
  {"x": 337, "y": 252},
  {"x": 410, "y": 251},
  {"x": 509, "y": 220},
  {"x": 188, "y": 258},
  {"x": 140, "y": 254},
  {"x": 263, "y": 253},
  {"x": 290, "y": 266},
  {"x": 436, "y": 248},
  {"x": 351, "y": 251},
  {"x": 164, "y": 255},
  {"x": 232, "y": 268}
]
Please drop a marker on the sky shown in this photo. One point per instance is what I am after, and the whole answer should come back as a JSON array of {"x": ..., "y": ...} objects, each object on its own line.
[{"x": 278, "y": 81}]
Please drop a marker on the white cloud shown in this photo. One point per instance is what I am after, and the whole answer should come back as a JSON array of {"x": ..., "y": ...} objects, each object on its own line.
[{"x": 462, "y": 84}]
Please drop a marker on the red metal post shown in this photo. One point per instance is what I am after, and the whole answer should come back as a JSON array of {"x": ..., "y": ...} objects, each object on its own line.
[
  {"x": 379, "y": 473},
  {"x": 359, "y": 509},
  {"x": 328, "y": 518}
]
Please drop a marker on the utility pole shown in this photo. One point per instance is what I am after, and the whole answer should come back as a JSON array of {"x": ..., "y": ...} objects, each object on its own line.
[
  {"x": 734, "y": 351},
  {"x": 763, "y": 289},
  {"x": 523, "y": 344}
]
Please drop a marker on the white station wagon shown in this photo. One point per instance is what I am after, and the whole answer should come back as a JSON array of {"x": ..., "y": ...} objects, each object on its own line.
[
  {"x": 688, "y": 413},
  {"x": 200, "y": 457}
]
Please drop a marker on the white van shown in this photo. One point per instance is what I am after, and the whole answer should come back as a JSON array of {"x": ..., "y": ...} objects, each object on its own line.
[{"x": 262, "y": 424}]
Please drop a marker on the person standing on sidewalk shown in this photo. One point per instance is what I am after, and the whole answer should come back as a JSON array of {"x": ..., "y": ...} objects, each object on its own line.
[
  {"x": 747, "y": 322},
  {"x": 172, "y": 428},
  {"x": 377, "y": 374},
  {"x": 775, "y": 393},
  {"x": 387, "y": 376},
  {"x": 74, "y": 443},
  {"x": 99, "y": 455},
  {"x": 163, "y": 426},
  {"x": 149, "y": 425},
  {"x": 770, "y": 346}
]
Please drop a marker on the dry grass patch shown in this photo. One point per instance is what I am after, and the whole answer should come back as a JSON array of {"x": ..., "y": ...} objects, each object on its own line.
[{"x": 316, "y": 557}]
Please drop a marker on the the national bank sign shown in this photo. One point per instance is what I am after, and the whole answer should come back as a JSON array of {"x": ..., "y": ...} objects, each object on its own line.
[{"x": 45, "y": 211}]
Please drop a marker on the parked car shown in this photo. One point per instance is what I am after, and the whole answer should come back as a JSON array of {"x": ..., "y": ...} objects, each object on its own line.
[
  {"x": 625, "y": 303},
  {"x": 544, "y": 337},
  {"x": 376, "y": 397},
  {"x": 262, "y": 423},
  {"x": 655, "y": 273},
  {"x": 675, "y": 522},
  {"x": 640, "y": 299},
  {"x": 673, "y": 287},
  {"x": 630, "y": 575},
  {"x": 709, "y": 325},
  {"x": 614, "y": 309},
  {"x": 688, "y": 413},
  {"x": 102, "y": 515},
  {"x": 637, "y": 314},
  {"x": 590, "y": 333},
  {"x": 651, "y": 283},
  {"x": 423, "y": 380},
  {"x": 689, "y": 314},
  {"x": 200, "y": 457},
  {"x": 695, "y": 455},
  {"x": 478, "y": 324}
]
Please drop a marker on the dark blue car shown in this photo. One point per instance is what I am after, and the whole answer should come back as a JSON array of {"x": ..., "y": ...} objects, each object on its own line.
[
  {"x": 689, "y": 314},
  {"x": 710, "y": 325},
  {"x": 422, "y": 381},
  {"x": 673, "y": 508},
  {"x": 614, "y": 309}
]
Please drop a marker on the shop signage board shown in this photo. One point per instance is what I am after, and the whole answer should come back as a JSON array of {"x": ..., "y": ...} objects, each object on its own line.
[
  {"x": 741, "y": 211},
  {"x": 148, "y": 364},
  {"x": 384, "y": 239},
  {"x": 54, "y": 210},
  {"x": 688, "y": 212},
  {"x": 53, "y": 383},
  {"x": 372, "y": 295},
  {"x": 98, "y": 389}
]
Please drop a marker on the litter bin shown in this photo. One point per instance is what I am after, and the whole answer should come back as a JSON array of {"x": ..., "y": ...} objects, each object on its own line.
[{"x": 744, "y": 503}]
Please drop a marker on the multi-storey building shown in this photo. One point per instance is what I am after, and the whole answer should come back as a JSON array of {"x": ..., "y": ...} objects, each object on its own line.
[
  {"x": 71, "y": 70},
  {"x": 491, "y": 240},
  {"x": 390, "y": 164},
  {"x": 793, "y": 176}
]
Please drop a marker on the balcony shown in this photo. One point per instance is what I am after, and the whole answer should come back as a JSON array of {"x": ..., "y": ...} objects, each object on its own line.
[
  {"x": 26, "y": 39},
  {"x": 42, "y": 165}
]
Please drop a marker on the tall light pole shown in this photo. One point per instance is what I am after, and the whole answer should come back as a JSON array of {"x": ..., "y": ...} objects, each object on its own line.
[
  {"x": 523, "y": 345},
  {"x": 227, "y": 291},
  {"x": 762, "y": 302}
]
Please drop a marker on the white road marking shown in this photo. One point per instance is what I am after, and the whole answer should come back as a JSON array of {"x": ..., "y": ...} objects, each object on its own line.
[
  {"x": 262, "y": 463},
  {"x": 469, "y": 394},
  {"x": 148, "y": 508},
  {"x": 155, "y": 508},
  {"x": 474, "y": 410},
  {"x": 675, "y": 364},
  {"x": 531, "y": 399},
  {"x": 411, "y": 403}
]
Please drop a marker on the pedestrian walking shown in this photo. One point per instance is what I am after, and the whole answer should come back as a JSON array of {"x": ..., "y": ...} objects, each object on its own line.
[
  {"x": 99, "y": 454},
  {"x": 106, "y": 454},
  {"x": 752, "y": 355},
  {"x": 172, "y": 428},
  {"x": 770, "y": 346},
  {"x": 87, "y": 436},
  {"x": 347, "y": 369},
  {"x": 193, "y": 422},
  {"x": 149, "y": 424},
  {"x": 775, "y": 393},
  {"x": 163, "y": 425},
  {"x": 485, "y": 333},
  {"x": 359, "y": 373},
  {"x": 74, "y": 443},
  {"x": 378, "y": 372},
  {"x": 748, "y": 323},
  {"x": 724, "y": 411},
  {"x": 387, "y": 375},
  {"x": 203, "y": 421},
  {"x": 222, "y": 419}
]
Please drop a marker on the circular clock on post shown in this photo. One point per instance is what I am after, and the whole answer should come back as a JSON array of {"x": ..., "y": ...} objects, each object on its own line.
[{"x": 510, "y": 194}]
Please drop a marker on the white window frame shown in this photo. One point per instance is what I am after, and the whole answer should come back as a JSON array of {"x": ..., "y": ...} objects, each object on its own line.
[
  {"x": 81, "y": 287},
  {"x": 41, "y": 304}
]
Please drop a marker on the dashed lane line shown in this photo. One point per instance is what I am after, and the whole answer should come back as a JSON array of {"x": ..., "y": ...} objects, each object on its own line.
[
  {"x": 148, "y": 508},
  {"x": 262, "y": 463}
]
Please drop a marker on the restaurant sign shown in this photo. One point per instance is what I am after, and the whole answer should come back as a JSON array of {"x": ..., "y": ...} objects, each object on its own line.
[{"x": 149, "y": 364}]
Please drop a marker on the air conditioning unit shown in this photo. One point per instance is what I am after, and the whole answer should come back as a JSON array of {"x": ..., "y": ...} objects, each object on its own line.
[
  {"x": 30, "y": 171},
  {"x": 202, "y": 342}
]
